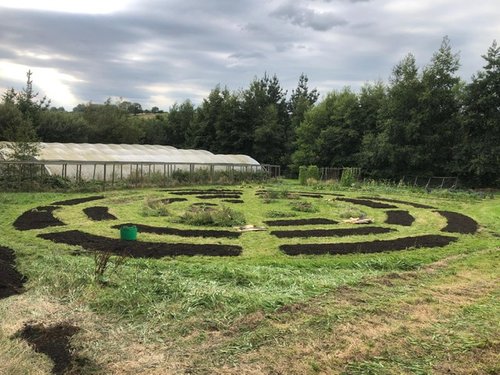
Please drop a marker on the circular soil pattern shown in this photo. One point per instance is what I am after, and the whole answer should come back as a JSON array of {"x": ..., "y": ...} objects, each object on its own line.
[
  {"x": 399, "y": 217},
  {"x": 458, "y": 223},
  {"x": 139, "y": 249},
  {"x": 72, "y": 202},
  {"x": 376, "y": 246},
  {"x": 343, "y": 232},
  {"x": 98, "y": 213},
  {"x": 11, "y": 281},
  {"x": 293, "y": 222},
  {"x": 38, "y": 218},
  {"x": 53, "y": 341},
  {"x": 367, "y": 203},
  {"x": 182, "y": 232}
]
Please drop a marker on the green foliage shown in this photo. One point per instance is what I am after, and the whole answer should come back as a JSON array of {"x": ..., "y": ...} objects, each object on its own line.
[
  {"x": 210, "y": 216},
  {"x": 349, "y": 176},
  {"x": 303, "y": 175},
  {"x": 302, "y": 206},
  {"x": 313, "y": 172},
  {"x": 154, "y": 206}
]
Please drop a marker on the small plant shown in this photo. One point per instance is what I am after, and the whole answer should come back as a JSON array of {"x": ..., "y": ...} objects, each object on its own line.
[
  {"x": 154, "y": 207},
  {"x": 102, "y": 260},
  {"x": 278, "y": 214},
  {"x": 209, "y": 216},
  {"x": 303, "y": 207},
  {"x": 349, "y": 176},
  {"x": 302, "y": 174},
  {"x": 313, "y": 172}
]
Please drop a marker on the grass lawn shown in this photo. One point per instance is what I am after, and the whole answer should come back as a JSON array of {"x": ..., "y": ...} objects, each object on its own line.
[{"x": 415, "y": 311}]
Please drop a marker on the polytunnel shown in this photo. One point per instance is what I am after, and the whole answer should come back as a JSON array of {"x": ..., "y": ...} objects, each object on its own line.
[{"x": 85, "y": 161}]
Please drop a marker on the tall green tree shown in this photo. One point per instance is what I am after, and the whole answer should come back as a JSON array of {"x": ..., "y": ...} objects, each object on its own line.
[{"x": 478, "y": 154}]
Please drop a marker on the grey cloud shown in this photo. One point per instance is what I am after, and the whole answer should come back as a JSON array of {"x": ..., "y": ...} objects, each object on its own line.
[{"x": 306, "y": 17}]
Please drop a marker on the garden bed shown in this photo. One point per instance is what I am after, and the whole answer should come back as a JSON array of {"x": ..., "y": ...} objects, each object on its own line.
[
  {"x": 458, "y": 223},
  {"x": 341, "y": 232},
  {"x": 182, "y": 232},
  {"x": 11, "y": 281},
  {"x": 368, "y": 203},
  {"x": 38, "y": 218},
  {"x": 292, "y": 222},
  {"x": 376, "y": 246},
  {"x": 98, "y": 213},
  {"x": 416, "y": 205},
  {"x": 399, "y": 217},
  {"x": 72, "y": 202},
  {"x": 139, "y": 249}
]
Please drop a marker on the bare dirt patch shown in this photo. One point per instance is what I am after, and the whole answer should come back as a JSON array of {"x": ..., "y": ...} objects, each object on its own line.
[
  {"x": 399, "y": 217},
  {"x": 72, "y": 202},
  {"x": 38, "y": 218},
  {"x": 368, "y": 203},
  {"x": 139, "y": 249},
  {"x": 11, "y": 281},
  {"x": 376, "y": 246},
  {"x": 98, "y": 213},
  {"x": 343, "y": 232},
  {"x": 292, "y": 222},
  {"x": 416, "y": 205},
  {"x": 53, "y": 341},
  {"x": 215, "y": 196},
  {"x": 458, "y": 223},
  {"x": 233, "y": 201},
  {"x": 182, "y": 232}
]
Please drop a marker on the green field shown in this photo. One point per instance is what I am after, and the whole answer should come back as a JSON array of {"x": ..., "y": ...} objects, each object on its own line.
[{"x": 415, "y": 311}]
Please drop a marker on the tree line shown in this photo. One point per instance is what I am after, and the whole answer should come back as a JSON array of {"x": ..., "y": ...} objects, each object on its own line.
[{"x": 423, "y": 121}]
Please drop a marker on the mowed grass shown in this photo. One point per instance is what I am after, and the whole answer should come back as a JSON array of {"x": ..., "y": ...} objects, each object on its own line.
[{"x": 413, "y": 311}]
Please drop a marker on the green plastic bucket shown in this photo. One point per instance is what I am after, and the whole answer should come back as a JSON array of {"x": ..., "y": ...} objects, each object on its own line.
[{"x": 128, "y": 233}]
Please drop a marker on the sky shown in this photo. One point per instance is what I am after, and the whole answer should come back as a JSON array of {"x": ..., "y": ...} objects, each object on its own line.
[{"x": 159, "y": 52}]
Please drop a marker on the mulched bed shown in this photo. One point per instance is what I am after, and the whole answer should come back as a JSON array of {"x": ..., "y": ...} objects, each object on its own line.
[
  {"x": 399, "y": 217},
  {"x": 182, "y": 232},
  {"x": 233, "y": 200},
  {"x": 53, "y": 341},
  {"x": 98, "y": 213},
  {"x": 214, "y": 196},
  {"x": 139, "y": 249},
  {"x": 210, "y": 191},
  {"x": 376, "y": 246},
  {"x": 38, "y": 218},
  {"x": 331, "y": 232},
  {"x": 205, "y": 204},
  {"x": 368, "y": 203},
  {"x": 291, "y": 222},
  {"x": 416, "y": 205},
  {"x": 11, "y": 281},
  {"x": 72, "y": 202},
  {"x": 172, "y": 200},
  {"x": 459, "y": 223}
]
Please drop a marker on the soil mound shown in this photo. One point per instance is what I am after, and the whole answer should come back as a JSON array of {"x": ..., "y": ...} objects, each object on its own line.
[
  {"x": 376, "y": 246},
  {"x": 53, "y": 341},
  {"x": 139, "y": 249},
  {"x": 343, "y": 232},
  {"x": 182, "y": 232},
  {"x": 292, "y": 222},
  {"x": 11, "y": 281},
  {"x": 368, "y": 203},
  {"x": 233, "y": 200},
  {"x": 172, "y": 200},
  {"x": 416, "y": 205},
  {"x": 38, "y": 218},
  {"x": 99, "y": 213},
  {"x": 458, "y": 223},
  {"x": 72, "y": 202},
  {"x": 399, "y": 217}
]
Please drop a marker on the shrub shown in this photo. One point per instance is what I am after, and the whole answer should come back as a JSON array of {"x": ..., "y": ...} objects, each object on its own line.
[
  {"x": 278, "y": 214},
  {"x": 313, "y": 172},
  {"x": 349, "y": 176},
  {"x": 209, "y": 216},
  {"x": 303, "y": 207},
  {"x": 302, "y": 174},
  {"x": 154, "y": 207}
]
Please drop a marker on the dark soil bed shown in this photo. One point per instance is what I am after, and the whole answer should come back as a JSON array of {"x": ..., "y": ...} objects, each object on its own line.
[
  {"x": 376, "y": 246},
  {"x": 233, "y": 200},
  {"x": 215, "y": 196},
  {"x": 11, "y": 281},
  {"x": 172, "y": 200},
  {"x": 98, "y": 213},
  {"x": 458, "y": 223},
  {"x": 399, "y": 217},
  {"x": 209, "y": 191},
  {"x": 72, "y": 202},
  {"x": 416, "y": 205},
  {"x": 205, "y": 204},
  {"x": 368, "y": 203},
  {"x": 341, "y": 232},
  {"x": 53, "y": 341},
  {"x": 139, "y": 249},
  {"x": 38, "y": 218},
  {"x": 182, "y": 232},
  {"x": 291, "y": 222}
]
